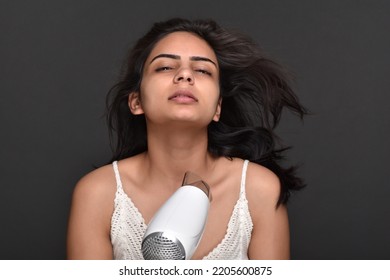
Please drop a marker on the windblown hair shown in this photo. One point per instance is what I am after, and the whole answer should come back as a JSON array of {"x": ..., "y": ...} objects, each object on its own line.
[{"x": 254, "y": 90}]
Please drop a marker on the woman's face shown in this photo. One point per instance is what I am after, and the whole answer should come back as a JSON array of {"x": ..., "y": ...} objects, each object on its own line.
[{"x": 180, "y": 82}]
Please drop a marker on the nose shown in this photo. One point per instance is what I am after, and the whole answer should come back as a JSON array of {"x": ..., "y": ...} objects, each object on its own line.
[{"x": 184, "y": 75}]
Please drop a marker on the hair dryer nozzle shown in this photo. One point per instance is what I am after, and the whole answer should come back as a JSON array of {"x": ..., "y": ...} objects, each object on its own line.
[{"x": 162, "y": 246}]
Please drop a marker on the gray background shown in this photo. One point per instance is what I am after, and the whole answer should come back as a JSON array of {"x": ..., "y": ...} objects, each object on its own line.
[{"x": 59, "y": 58}]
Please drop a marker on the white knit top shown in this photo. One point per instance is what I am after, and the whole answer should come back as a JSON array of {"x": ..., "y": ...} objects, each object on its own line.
[{"x": 128, "y": 227}]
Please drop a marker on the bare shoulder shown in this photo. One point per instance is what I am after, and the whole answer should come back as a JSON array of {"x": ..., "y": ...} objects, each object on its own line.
[
  {"x": 99, "y": 177},
  {"x": 90, "y": 215},
  {"x": 262, "y": 185},
  {"x": 98, "y": 183},
  {"x": 270, "y": 235}
]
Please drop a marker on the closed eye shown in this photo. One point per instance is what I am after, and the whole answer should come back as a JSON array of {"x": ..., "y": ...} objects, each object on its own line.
[
  {"x": 163, "y": 68},
  {"x": 202, "y": 71}
]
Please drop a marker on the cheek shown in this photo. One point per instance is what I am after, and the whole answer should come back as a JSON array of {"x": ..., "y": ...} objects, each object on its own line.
[
  {"x": 208, "y": 84},
  {"x": 147, "y": 89},
  {"x": 215, "y": 90},
  {"x": 150, "y": 95},
  {"x": 152, "y": 85}
]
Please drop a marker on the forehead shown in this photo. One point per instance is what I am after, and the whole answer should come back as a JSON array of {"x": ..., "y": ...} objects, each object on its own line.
[{"x": 184, "y": 44}]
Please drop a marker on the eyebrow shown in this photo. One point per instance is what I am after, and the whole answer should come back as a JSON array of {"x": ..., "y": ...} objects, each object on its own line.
[{"x": 192, "y": 58}]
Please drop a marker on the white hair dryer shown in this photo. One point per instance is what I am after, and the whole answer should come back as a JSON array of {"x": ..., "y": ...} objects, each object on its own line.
[{"x": 176, "y": 229}]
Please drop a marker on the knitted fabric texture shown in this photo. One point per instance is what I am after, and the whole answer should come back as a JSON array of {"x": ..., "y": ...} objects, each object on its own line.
[{"x": 128, "y": 227}]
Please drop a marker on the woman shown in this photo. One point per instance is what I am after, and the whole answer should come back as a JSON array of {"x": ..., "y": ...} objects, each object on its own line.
[{"x": 193, "y": 97}]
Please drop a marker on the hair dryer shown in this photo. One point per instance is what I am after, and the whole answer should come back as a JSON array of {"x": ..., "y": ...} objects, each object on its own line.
[{"x": 177, "y": 227}]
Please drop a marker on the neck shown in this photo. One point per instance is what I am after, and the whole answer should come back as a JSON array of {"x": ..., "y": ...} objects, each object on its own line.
[{"x": 172, "y": 152}]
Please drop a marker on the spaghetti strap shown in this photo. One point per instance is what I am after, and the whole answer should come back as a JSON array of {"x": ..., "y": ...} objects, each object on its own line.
[
  {"x": 117, "y": 176},
  {"x": 243, "y": 178}
]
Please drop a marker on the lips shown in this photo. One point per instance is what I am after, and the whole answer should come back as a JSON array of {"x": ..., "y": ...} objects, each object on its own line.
[{"x": 183, "y": 96}]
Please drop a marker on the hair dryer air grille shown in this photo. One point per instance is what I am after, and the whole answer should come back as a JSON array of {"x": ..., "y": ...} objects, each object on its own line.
[{"x": 157, "y": 246}]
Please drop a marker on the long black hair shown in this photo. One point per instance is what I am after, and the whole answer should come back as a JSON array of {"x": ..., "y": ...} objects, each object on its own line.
[{"x": 254, "y": 90}]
